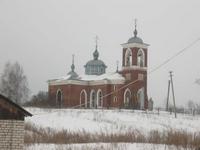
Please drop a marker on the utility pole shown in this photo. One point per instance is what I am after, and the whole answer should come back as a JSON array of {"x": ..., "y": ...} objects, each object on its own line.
[
  {"x": 173, "y": 92},
  {"x": 167, "y": 105}
]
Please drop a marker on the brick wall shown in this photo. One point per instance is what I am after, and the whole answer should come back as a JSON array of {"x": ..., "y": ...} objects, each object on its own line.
[{"x": 11, "y": 134}]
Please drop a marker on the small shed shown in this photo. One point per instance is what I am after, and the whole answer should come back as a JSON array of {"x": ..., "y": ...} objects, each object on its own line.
[{"x": 11, "y": 124}]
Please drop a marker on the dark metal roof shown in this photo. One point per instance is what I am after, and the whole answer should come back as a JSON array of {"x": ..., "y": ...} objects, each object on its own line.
[
  {"x": 95, "y": 63},
  {"x": 73, "y": 75},
  {"x": 23, "y": 111},
  {"x": 135, "y": 40}
]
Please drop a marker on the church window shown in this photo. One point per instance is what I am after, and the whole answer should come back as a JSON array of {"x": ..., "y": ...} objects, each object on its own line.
[
  {"x": 99, "y": 98},
  {"x": 93, "y": 96},
  {"x": 114, "y": 87},
  {"x": 92, "y": 99},
  {"x": 115, "y": 99},
  {"x": 83, "y": 98},
  {"x": 128, "y": 58},
  {"x": 127, "y": 98},
  {"x": 140, "y": 58},
  {"x": 59, "y": 98}
]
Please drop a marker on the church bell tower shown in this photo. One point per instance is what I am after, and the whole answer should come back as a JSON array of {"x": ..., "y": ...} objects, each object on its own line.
[{"x": 134, "y": 69}]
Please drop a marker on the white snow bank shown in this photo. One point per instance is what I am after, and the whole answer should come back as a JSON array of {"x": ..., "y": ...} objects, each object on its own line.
[{"x": 111, "y": 121}]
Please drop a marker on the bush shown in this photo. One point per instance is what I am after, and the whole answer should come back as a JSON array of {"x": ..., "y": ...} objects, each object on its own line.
[
  {"x": 39, "y": 100},
  {"x": 182, "y": 139}
]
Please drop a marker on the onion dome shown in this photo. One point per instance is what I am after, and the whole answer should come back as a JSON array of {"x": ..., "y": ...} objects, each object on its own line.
[
  {"x": 135, "y": 39},
  {"x": 72, "y": 73},
  {"x": 95, "y": 66}
]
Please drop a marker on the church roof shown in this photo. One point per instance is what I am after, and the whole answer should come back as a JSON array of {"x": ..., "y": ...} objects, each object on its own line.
[
  {"x": 107, "y": 76},
  {"x": 135, "y": 40},
  {"x": 110, "y": 77},
  {"x": 95, "y": 63},
  {"x": 95, "y": 66},
  {"x": 72, "y": 74}
]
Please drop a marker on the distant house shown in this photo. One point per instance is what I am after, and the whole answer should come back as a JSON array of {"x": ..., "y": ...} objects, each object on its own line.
[{"x": 11, "y": 124}]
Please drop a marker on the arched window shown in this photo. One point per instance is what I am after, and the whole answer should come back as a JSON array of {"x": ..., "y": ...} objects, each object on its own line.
[
  {"x": 59, "y": 98},
  {"x": 92, "y": 99},
  {"x": 114, "y": 87},
  {"x": 83, "y": 99},
  {"x": 127, "y": 98},
  {"x": 140, "y": 98},
  {"x": 99, "y": 98},
  {"x": 115, "y": 99},
  {"x": 140, "y": 58},
  {"x": 128, "y": 57}
]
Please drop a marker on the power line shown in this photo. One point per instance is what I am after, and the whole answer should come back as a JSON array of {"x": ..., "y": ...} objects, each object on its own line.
[{"x": 175, "y": 55}]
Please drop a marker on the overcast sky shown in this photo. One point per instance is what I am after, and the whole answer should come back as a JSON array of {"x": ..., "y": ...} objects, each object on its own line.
[{"x": 42, "y": 35}]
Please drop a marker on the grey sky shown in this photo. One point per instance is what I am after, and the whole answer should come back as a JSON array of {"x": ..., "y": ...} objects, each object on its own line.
[{"x": 42, "y": 35}]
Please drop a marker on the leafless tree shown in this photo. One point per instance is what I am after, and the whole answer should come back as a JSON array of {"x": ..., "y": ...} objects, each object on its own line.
[{"x": 13, "y": 83}]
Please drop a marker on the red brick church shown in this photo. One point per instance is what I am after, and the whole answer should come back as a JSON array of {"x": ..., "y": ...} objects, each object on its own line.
[{"x": 125, "y": 88}]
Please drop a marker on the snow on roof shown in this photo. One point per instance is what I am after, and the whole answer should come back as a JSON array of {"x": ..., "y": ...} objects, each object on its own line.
[
  {"x": 61, "y": 78},
  {"x": 106, "y": 76},
  {"x": 110, "y": 78}
]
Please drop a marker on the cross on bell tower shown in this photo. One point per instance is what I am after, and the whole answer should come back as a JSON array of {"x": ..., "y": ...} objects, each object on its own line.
[
  {"x": 135, "y": 31},
  {"x": 73, "y": 66},
  {"x": 96, "y": 41},
  {"x": 96, "y": 53}
]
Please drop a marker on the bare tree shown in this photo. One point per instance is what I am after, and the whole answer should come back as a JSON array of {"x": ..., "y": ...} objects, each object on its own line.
[{"x": 13, "y": 83}]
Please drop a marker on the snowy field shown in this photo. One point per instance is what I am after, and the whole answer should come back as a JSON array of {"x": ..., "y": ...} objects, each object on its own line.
[
  {"x": 101, "y": 146},
  {"x": 111, "y": 121}
]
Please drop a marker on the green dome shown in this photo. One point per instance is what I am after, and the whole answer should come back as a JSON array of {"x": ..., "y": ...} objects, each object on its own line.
[{"x": 95, "y": 66}]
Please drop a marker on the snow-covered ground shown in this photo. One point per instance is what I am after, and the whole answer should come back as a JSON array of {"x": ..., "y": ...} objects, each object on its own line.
[
  {"x": 111, "y": 121},
  {"x": 101, "y": 146}
]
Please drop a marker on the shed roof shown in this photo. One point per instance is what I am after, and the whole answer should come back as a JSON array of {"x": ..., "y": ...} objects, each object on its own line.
[{"x": 15, "y": 106}]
